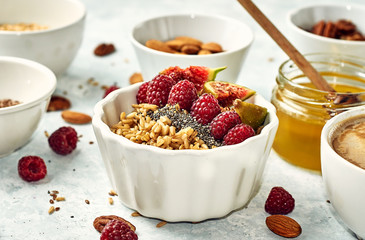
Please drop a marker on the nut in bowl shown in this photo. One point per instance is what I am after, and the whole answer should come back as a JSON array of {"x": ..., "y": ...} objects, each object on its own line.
[
  {"x": 229, "y": 38},
  {"x": 179, "y": 185},
  {"x": 328, "y": 28},
  {"x": 48, "y": 32},
  {"x": 343, "y": 166},
  {"x": 29, "y": 85}
]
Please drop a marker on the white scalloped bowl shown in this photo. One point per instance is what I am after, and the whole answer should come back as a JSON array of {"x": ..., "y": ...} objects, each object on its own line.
[
  {"x": 180, "y": 185},
  {"x": 30, "y": 83},
  {"x": 55, "y": 47},
  {"x": 234, "y": 36}
]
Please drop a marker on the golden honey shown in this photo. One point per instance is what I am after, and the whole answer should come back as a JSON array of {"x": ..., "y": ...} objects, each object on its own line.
[{"x": 303, "y": 110}]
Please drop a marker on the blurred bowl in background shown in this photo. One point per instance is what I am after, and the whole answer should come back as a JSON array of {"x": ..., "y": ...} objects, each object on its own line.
[
  {"x": 234, "y": 36},
  {"x": 302, "y": 19},
  {"x": 54, "y": 47},
  {"x": 30, "y": 83}
]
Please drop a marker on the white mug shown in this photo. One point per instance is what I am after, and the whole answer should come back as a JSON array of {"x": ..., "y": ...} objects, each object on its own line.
[{"x": 344, "y": 181}]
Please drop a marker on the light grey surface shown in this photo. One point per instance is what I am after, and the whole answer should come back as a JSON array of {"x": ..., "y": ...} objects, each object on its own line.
[{"x": 81, "y": 175}]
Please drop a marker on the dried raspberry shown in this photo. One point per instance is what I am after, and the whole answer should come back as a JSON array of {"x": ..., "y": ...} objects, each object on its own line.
[
  {"x": 117, "y": 230},
  {"x": 32, "y": 168},
  {"x": 110, "y": 89},
  {"x": 238, "y": 134},
  {"x": 142, "y": 93},
  {"x": 279, "y": 201},
  {"x": 205, "y": 108},
  {"x": 158, "y": 90},
  {"x": 176, "y": 73},
  {"x": 223, "y": 122},
  {"x": 183, "y": 93},
  {"x": 63, "y": 141}
]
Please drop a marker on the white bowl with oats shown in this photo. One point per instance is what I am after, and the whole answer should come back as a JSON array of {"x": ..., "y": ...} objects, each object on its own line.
[
  {"x": 180, "y": 185},
  {"x": 48, "y": 32},
  {"x": 234, "y": 37},
  {"x": 25, "y": 90}
]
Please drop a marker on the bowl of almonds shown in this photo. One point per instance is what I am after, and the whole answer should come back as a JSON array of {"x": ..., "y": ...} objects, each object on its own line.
[
  {"x": 191, "y": 39},
  {"x": 25, "y": 90},
  {"x": 185, "y": 150},
  {"x": 330, "y": 28}
]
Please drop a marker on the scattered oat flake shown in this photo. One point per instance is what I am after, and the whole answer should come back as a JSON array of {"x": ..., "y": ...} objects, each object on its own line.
[
  {"x": 111, "y": 201},
  {"x": 270, "y": 59},
  {"x": 46, "y": 134},
  {"x": 161, "y": 224},
  {"x": 51, "y": 210},
  {"x": 59, "y": 199}
]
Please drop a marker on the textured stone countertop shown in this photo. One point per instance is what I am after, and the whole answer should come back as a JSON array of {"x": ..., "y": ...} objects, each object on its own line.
[{"x": 81, "y": 175}]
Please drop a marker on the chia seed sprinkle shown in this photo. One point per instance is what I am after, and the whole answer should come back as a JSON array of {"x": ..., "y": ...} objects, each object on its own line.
[{"x": 182, "y": 119}]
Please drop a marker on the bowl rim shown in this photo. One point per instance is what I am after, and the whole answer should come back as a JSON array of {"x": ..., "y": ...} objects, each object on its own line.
[
  {"x": 82, "y": 17},
  {"x": 42, "y": 96},
  {"x": 329, "y": 127},
  {"x": 301, "y": 31},
  {"x": 103, "y": 127},
  {"x": 191, "y": 15}
]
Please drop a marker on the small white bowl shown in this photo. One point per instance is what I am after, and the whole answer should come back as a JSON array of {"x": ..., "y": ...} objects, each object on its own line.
[
  {"x": 234, "y": 36},
  {"x": 344, "y": 182},
  {"x": 30, "y": 83},
  {"x": 54, "y": 47},
  {"x": 302, "y": 19},
  {"x": 180, "y": 185}
]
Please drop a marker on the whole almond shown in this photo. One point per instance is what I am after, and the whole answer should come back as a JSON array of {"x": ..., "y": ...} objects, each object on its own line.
[
  {"x": 75, "y": 117},
  {"x": 189, "y": 40},
  {"x": 204, "y": 52},
  {"x": 58, "y": 103},
  {"x": 190, "y": 49},
  {"x": 175, "y": 44},
  {"x": 212, "y": 46},
  {"x": 283, "y": 226},
  {"x": 159, "y": 46}
]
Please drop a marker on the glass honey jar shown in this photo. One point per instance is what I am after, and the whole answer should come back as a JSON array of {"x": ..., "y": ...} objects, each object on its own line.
[{"x": 303, "y": 110}]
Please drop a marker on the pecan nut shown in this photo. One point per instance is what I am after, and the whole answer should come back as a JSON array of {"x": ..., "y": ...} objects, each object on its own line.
[
  {"x": 104, "y": 49},
  {"x": 100, "y": 222}
]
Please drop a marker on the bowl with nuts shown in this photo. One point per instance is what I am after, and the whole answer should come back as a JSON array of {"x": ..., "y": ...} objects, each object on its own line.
[
  {"x": 48, "y": 32},
  {"x": 331, "y": 28},
  {"x": 25, "y": 90},
  {"x": 191, "y": 39},
  {"x": 179, "y": 155}
]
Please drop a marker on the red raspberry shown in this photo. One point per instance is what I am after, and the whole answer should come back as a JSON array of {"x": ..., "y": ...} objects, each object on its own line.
[
  {"x": 279, "y": 201},
  {"x": 110, "y": 89},
  {"x": 117, "y": 230},
  {"x": 205, "y": 108},
  {"x": 176, "y": 73},
  {"x": 142, "y": 93},
  {"x": 222, "y": 123},
  {"x": 32, "y": 168},
  {"x": 183, "y": 93},
  {"x": 63, "y": 141},
  {"x": 158, "y": 90},
  {"x": 238, "y": 134}
]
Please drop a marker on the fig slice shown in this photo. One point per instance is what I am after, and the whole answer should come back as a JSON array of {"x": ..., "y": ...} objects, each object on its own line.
[
  {"x": 251, "y": 114},
  {"x": 227, "y": 92}
]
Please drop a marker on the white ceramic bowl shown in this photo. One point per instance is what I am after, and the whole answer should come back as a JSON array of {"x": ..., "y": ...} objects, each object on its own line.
[
  {"x": 30, "y": 83},
  {"x": 180, "y": 185},
  {"x": 234, "y": 36},
  {"x": 305, "y": 17},
  {"x": 55, "y": 47},
  {"x": 344, "y": 182}
]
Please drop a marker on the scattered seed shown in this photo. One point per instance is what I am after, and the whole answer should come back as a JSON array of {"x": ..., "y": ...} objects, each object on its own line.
[
  {"x": 51, "y": 201},
  {"x": 46, "y": 134},
  {"x": 87, "y": 201},
  {"x": 51, "y": 210},
  {"x": 91, "y": 142},
  {"x": 161, "y": 224},
  {"x": 135, "y": 214},
  {"x": 111, "y": 201},
  {"x": 113, "y": 193},
  {"x": 57, "y": 209}
]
